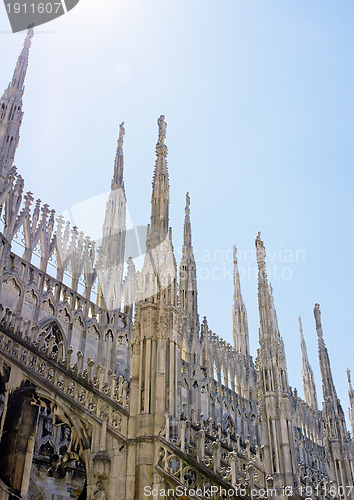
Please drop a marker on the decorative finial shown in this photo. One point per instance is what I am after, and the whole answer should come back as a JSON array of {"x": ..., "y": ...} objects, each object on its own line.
[
  {"x": 236, "y": 278},
  {"x": 119, "y": 160},
  {"x": 27, "y": 42},
  {"x": 121, "y": 135},
  {"x": 162, "y": 130},
  {"x": 188, "y": 202},
  {"x": 300, "y": 325},
  {"x": 349, "y": 378}
]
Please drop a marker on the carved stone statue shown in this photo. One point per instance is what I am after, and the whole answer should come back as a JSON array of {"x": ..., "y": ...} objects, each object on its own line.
[
  {"x": 162, "y": 129},
  {"x": 27, "y": 42},
  {"x": 188, "y": 203},
  {"x": 317, "y": 314},
  {"x": 121, "y": 135},
  {"x": 66, "y": 434},
  {"x": 99, "y": 494},
  {"x": 47, "y": 428}
]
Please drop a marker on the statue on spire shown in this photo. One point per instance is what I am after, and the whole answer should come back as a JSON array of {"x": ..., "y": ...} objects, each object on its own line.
[
  {"x": 27, "y": 42},
  {"x": 349, "y": 378},
  {"x": 237, "y": 287},
  {"x": 121, "y": 135},
  {"x": 260, "y": 250},
  {"x": 317, "y": 314},
  {"x": 119, "y": 161},
  {"x": 300, "y": 325},
  {"x": 188, "y": 203},
  {"x": 162, "y": 130},
  {"x": 234, "y": 251}
]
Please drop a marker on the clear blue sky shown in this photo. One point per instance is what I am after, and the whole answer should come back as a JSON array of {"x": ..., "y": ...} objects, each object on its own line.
[{"x": 258, "y": 97}]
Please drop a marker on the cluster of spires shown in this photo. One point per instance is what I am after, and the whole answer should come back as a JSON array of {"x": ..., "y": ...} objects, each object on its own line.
[{"x": 10, "y": 122}]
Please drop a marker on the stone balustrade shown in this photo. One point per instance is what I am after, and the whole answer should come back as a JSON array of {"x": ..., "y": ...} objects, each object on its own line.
[
  {"x": 190, "y": 448},
  {"x": 210, "y": 447}
]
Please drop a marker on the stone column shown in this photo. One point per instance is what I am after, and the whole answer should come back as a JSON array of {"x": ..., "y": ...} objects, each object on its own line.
[{"x": 17, "y": 438}]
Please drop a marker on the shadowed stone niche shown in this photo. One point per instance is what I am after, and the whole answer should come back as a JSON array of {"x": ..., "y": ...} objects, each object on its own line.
[{"x": 56, "y": 471}]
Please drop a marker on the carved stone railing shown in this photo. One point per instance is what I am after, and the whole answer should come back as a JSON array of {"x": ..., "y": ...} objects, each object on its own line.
[
  {"x": 181, "y": 469},
  {"x": 239, "y": 416},
  {"x": 313, "y": 483},
  {"x": 84, "y": 388},
  {"x": 43, "y": 283},
  {"x": 194, "y": 456},
  {"x": 182, "y": 472},
  {"x": 35, "y": 298}
]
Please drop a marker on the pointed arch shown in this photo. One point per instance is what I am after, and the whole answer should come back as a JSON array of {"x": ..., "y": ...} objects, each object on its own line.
[
  {"x": 11, "y": 290},
  {"x": 65, "y": 313},
  {"x": 48, "y": 304},
  {"x": 228, "y": 422},
  {"x": 52, "y": 338}
]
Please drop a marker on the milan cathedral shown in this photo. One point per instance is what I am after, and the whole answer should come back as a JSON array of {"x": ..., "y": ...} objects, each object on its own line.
[{"x": 112, "y": 386}]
